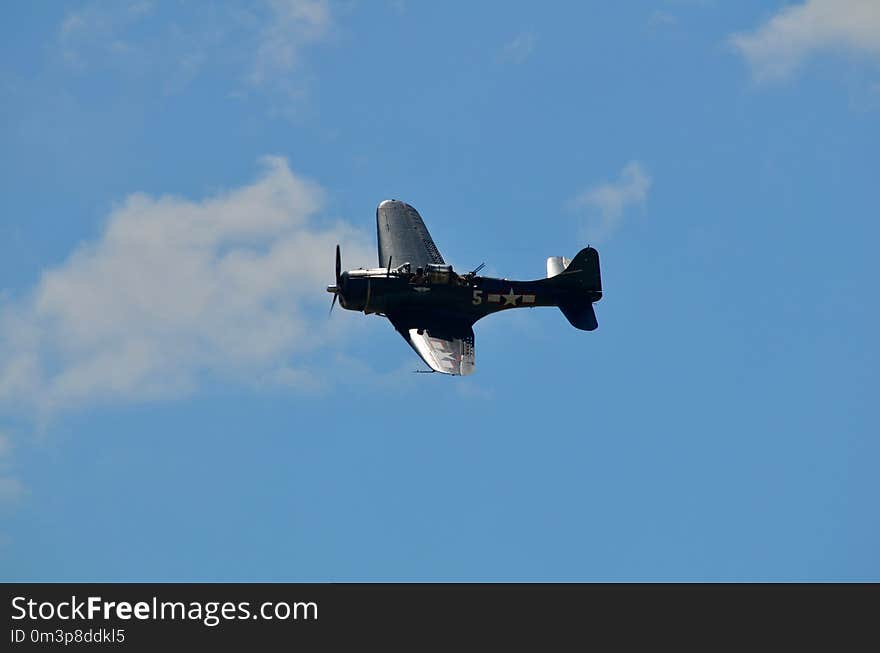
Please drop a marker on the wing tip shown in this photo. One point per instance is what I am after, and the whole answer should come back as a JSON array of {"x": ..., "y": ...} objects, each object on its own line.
[{"x": 385, "y": 204}]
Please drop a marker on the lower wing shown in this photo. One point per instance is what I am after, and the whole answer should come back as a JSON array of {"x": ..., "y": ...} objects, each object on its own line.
[{"x": 446, "y": 349}]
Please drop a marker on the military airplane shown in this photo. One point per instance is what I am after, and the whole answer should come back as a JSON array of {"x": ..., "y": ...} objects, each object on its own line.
[{"x": 435, "y": 309}]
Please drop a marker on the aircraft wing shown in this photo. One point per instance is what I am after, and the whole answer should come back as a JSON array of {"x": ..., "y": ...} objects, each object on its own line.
[
  {"x": 446, "y": 350},
  {"x": 402, "y": 235}
]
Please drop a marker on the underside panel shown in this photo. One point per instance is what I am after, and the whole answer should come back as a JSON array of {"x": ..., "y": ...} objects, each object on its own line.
[
  {"x": 444, "y": 353},
  {"x": 446, "y": 347}
]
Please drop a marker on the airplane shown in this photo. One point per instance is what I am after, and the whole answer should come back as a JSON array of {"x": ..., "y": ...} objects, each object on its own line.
[{"x": 435, "y": 309}]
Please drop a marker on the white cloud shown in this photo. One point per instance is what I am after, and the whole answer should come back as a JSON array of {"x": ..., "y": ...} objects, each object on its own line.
[
  {"x": 518, "y": 49},
  {"x": 778, "y": 46},
  {"x": 175, "y": 290},
  {"x": 603, "y": 206}
]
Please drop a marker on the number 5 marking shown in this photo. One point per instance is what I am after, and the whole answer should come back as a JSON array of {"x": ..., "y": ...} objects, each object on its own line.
[{"x": 478, "y": 297}]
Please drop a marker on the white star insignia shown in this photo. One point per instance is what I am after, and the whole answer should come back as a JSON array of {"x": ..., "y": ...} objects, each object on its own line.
[{"x": 510, "y": 298}]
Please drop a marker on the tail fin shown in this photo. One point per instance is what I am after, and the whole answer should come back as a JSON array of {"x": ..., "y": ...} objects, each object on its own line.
[
  {"x": 582, "y": 276},
  {"x": 581, "y": 273},
  {"x": 585, "y": 269}
]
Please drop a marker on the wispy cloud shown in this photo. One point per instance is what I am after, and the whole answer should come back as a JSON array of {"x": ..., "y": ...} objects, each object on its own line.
[
  {"x": 603, "y": 206},
  {"x": 293, "y": 24},
  {"x": 258, "y": 45},
  {"x": 99, "y": 30},
  {"x": 518, "y": 49},
  {"x": 660, "y": 19},
  {"x": 174, "y": 291},
  {"x": 776, "y": 48},
  {"x": 11, "y": 488}
]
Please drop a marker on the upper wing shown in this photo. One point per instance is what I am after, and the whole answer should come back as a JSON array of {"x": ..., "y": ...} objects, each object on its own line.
[
  {"x": 446, "y": 350},
  {"x": 403, "y": 236}
]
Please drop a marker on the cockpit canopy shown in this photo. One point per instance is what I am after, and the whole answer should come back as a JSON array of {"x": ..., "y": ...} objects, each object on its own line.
[{"x": 438, "y": 273}]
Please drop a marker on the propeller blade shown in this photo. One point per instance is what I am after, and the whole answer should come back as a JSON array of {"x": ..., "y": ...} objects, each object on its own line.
[
  {"x": 388, "y": 273},
  {"x": 338, "y": 287}
]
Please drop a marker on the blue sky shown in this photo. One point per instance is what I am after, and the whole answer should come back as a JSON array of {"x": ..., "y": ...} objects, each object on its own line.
[{"x": 175, "y": 403}]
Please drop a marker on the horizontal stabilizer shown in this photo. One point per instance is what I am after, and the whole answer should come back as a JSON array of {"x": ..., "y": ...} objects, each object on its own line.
[
  {"x": 581, "y": 315},
  {"x": 556, "y": 265}
]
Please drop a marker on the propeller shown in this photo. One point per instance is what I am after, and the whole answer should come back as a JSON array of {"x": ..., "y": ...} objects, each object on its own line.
[{"x": 338, "y": 287}]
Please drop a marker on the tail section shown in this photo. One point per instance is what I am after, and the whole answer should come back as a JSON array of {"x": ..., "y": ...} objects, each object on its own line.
[{"x": 582, "y": 277}]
